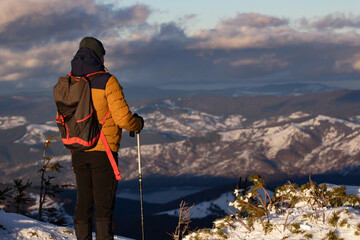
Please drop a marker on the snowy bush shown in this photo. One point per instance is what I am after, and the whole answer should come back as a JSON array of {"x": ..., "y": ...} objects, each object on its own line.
[{"x": 310, "y": 211}]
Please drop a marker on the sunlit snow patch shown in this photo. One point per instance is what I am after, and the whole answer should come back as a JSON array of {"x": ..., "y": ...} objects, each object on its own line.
[
  {"x": 14, "y": 226},
  {"x": 218, "y": 206},
  {"x": 9, "y": 122},
  {"x": 36, "y": 133}
]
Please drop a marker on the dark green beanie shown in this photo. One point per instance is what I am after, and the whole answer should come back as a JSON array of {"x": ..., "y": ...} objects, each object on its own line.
[{"x": 93, "y": 44}]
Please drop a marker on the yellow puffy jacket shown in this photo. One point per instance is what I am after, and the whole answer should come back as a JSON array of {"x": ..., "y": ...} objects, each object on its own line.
[{"x": 107, "y": 95}]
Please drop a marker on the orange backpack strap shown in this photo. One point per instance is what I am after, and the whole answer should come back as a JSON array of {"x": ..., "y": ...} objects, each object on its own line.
[{"x": 108, "y": 150}]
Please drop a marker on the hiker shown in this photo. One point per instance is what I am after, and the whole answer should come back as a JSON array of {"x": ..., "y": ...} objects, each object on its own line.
[{"x": 95, "y": 179}]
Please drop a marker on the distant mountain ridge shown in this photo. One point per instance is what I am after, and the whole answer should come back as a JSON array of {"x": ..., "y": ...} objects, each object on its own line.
[{"x": 147, "y": 92}]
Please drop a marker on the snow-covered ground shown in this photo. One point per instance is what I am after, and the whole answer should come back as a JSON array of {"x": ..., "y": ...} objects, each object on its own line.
[
  {"x": 299, "y": 223},
  {"x": 17, "y": 227},
  {"x": 213, "y": 207},
  {"x": 313, "y": 229}
]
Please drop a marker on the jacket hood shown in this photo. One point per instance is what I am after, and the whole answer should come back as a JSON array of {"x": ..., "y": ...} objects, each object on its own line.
[{"x": 85, "y": 62}]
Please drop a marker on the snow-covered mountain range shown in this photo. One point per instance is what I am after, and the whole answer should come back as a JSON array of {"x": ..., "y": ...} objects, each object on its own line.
[
  {"x": 180, "y": 139},
  {"x": 296, "y": 144}
]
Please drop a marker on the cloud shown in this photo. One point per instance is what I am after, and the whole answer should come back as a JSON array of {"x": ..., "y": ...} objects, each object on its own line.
[
  {"x": 40, "y": 37},
  {"x": 333, "y": 21},
  {"x": 270, "y": 61},
  {"x": 38, "y": 22},
  {"x": 38, "y": 41},
  {"x": 253, "y": 20},
  {"x": 348, "y": 65},
  {"x": 36, "y": 62},
  {"x": 273, "y": 33}
]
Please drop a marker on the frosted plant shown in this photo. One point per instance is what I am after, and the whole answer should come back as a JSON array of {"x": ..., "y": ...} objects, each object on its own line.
[{"x": 256, "y": 208}]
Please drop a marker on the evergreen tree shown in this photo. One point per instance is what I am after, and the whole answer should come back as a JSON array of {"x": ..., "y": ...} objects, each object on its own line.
[
  {"x": 20, "y": 198},
  {"x": 4, "y": 194}
]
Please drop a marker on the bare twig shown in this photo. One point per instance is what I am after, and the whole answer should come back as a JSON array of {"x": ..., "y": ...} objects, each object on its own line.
[
  {"x": 239, "y": 220},
  {"x": 184, "y": 221}
]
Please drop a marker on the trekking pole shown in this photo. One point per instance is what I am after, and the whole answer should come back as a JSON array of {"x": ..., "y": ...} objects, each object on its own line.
[{"x": 140, "y": 183}]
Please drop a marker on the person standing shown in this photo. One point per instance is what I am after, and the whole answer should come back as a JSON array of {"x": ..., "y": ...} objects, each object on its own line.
[{"x": 95, "y": 180}]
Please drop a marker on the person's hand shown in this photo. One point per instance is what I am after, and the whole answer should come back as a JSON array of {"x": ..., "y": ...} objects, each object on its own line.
[
  {"x": 132, "y": 134},
  {"x": 141, "y": 119}
]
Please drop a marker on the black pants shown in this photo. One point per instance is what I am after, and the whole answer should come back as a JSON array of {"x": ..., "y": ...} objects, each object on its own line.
[{"x": 96, "y": 185}]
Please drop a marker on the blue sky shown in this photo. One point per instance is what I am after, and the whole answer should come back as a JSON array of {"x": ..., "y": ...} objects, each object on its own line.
[
  {"x": 184, "y": 44},
  {"x": 210, "y": 12}
]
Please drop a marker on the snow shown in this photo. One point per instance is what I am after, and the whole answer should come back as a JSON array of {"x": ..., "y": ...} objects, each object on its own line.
[
  {"x": 167, "y": 117},
  {"x": 18, "y": 227},
  {"x": 278, "y": 138},
  {"x": 207, "y": 208},
  {"x": 332, "y": 144},
  {"x": 351, "y": 147},
  {"x": 316, "y": 228},
  {"x": 36, "y": 134},
  {"x": 234, "y": 120},
  {"x": 279, "y": 119},
  {"x": 274, "y": 138},
  {"x": 190, "y": 122},
  {"x": 9, "y": 122},
  {"x": 301, "y": 218},
  {"x": 320, "y": 118},
  {"x": 337, "y": 135},
  {"x": 203, "y": 209}
]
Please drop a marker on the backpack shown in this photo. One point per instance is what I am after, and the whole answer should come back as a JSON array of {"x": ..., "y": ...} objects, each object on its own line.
[{"x": 76, "y": 117}]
